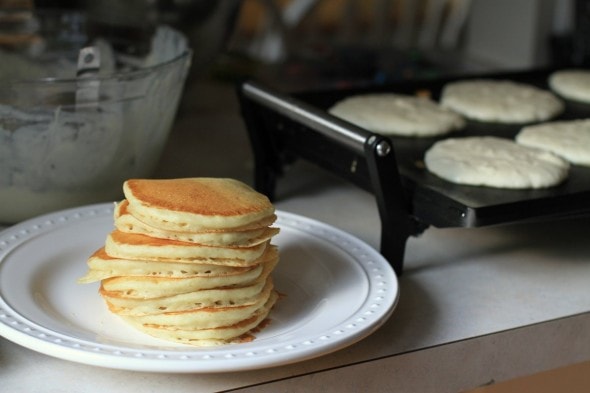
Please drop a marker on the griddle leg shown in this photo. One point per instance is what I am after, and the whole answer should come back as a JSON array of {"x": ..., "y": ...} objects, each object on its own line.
[{"x": 397, "y": 224}]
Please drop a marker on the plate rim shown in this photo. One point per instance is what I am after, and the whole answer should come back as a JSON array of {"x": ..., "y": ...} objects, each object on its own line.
[{"x": 20, "y": 330}]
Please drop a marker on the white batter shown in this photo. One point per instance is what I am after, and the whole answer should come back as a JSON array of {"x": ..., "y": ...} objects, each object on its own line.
[
  {"x": 568, "y": 139},
  {"x": 573, "y": 84},
  {"x": 396, "y": 114},
  {"x": 495, "y": 162},
  {"x": 500, "y": 101}
]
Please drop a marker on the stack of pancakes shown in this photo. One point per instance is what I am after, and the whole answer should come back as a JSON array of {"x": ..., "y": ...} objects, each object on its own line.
[{"x": 189, "y": 260}]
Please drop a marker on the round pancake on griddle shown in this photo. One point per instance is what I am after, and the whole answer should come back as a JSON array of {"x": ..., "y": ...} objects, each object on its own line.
[
  {"x": 500, "y": 101},
  {"x": 126, "y": 222},
  {"x": 397, "y": 114},
  {"x": 494, "y": 162},
  {"x": 572, "y": 84},
  {"x": 197, "y": 204},
  {"x": 141, "y": 247},
  {"x": 569, "y": 139}
]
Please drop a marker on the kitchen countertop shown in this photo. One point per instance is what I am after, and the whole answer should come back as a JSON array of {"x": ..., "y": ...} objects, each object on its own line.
[{"x": 476, "y": 305}]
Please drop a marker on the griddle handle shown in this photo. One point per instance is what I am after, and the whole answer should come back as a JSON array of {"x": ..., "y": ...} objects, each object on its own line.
[{"x": 347, "y": 134}]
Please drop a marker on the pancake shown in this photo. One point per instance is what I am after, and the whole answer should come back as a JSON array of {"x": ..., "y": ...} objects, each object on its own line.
[
  {"x": 126, "y": 222},
  {"x": 494, "y": 162},
  {"x": 572, "y": 84},
  {"x": 189, "y": 255},
  {"x": 197, "y": 204},
  {"x": 500, "y": 101},
  {"x": 139, "y": 287},
  {"x": 568, "y": 139},
  {"x": 141, "y": 247},
  {"x": 102, "y": 266},
  {"x": 206, "y": 317},
  {"x": 209, "y": 337},
  {"x": 143, "y": 287},
  {"x": 397, "y": 114},
  {"x": 215, "y": 297}
]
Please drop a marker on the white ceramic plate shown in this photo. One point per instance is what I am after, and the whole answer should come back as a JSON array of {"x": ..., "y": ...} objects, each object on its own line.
[{"x": 338, "y": 291}]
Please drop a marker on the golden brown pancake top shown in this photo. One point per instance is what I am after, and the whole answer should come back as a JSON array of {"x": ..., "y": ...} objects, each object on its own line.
[{"x": 203, "y": 196}]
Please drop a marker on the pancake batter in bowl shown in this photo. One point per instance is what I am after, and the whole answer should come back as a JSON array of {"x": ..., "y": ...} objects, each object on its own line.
[{"x": 57, "y": 153}]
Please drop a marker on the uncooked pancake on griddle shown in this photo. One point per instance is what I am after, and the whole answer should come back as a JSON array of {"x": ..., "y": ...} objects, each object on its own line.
[
  {"x": 397, "y": 114},
  {"x": 569, "y": 139},
  {"x": 572, "y": 84},
  {"x": 500, "y": 101},
  {"x": 494, "y": 162}
]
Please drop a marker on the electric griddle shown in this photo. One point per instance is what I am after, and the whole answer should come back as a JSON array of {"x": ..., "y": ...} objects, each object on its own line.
[{"x": 284, "y": 127}]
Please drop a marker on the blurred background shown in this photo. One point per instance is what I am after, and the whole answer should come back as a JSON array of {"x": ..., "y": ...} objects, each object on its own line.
[
  {"x": 300, "y": 43},
  {"x": 338, "y": 41}
]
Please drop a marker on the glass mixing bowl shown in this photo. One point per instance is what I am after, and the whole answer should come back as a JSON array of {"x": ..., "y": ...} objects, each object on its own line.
[{"x": 75, "y": 123}]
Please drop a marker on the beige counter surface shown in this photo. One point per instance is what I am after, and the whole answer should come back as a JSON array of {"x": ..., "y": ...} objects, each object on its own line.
[{"x": 476, "y": 305}]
